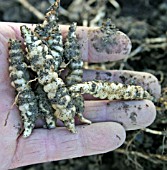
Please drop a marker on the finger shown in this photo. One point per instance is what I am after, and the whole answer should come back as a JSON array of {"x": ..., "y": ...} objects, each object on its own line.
[
  {"x": 146, "y": 80},
  {"x": 58, "y": 144},
  {"x": 93, "y": 49},
  {"x": 131, "y": 114}
]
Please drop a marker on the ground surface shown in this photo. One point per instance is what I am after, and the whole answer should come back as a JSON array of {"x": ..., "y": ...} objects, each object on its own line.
[{"x": 144, "y": 21}]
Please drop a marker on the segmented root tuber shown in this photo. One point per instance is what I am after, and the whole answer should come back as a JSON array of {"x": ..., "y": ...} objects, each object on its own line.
[
  {"x": 111, "y": 91},
  {"x": 19, "y": 80}
]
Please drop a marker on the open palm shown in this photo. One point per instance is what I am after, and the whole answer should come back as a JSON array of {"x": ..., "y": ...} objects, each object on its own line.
[{"x": 100, "y": 137}]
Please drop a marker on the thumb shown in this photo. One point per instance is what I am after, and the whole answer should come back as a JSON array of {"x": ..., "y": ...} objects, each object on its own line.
[{"x": 58, "y": 144}]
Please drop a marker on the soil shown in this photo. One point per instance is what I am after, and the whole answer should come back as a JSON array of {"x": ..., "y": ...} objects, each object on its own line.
[{"x": 145, "y": 22}]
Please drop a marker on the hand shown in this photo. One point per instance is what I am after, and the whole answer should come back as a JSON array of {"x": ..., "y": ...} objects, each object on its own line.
[{"x": 48, "y": 145}]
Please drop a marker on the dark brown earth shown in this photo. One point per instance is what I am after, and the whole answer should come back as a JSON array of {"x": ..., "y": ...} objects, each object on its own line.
[{"x": 143, "y": 21}]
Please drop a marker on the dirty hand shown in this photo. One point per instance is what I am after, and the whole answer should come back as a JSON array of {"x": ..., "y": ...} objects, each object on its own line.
[{"x": 110, "y": 119}]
